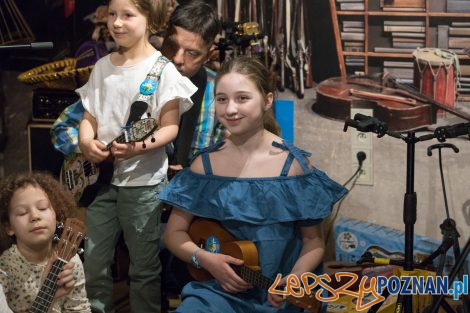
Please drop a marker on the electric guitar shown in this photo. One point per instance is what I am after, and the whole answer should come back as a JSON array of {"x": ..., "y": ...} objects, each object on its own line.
[
  {"x": 203, "y": 232},
  {"x": 72, "y": 235},
  {"x": 77, "y": 173}
]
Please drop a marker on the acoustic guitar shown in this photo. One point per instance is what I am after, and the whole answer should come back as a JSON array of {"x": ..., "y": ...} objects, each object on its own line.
[
  {"x": 77, "y": 173},
  {"x": 73, "y": 233},
  {"x": 203, "y": 232}
]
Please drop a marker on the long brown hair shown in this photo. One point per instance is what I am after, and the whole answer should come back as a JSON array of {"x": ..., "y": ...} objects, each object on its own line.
[
  {"x": 61, "y": 200},
  {"x": 256, "y": 71}
]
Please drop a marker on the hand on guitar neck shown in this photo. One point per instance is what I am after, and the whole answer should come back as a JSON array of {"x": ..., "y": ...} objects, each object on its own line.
[
  {"x": 65, "y": 279},
  {"x": 94, "y": 150},
  {"x": 59, "y": 273},
  {"x": 79, "y": 170}
]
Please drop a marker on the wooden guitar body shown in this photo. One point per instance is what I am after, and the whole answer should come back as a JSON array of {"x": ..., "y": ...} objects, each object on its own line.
[
  {"x": 77, "y": 173},
  {"x": 211, "y": 236},
  {"x": 202, "y": 230}
]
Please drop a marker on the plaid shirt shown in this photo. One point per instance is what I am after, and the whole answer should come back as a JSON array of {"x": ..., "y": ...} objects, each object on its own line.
[
  {"x": 64, "y": 131},
  {"x": 208, "y": 128}
]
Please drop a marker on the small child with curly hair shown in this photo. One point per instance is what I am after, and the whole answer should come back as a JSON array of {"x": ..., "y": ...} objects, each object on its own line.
[{"x": 30, "y": 207}]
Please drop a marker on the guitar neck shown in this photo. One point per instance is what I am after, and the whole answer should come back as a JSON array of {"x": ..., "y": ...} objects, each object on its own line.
[
  {"x": 48, "y": 289},
  {"x": 122, "y": 138},
  {"x": 254, "y": 277}
]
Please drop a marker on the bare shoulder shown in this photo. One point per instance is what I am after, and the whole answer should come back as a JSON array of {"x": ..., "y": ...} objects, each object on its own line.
[
  {"x": 296, "y": 168},
  {"x": 196, "y": 165}
]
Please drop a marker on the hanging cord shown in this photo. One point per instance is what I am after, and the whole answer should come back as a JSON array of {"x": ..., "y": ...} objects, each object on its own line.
[
  {"x": 448, "y": 227},
  {"x": 440, "y": 146},
  {"x": 443, "y": 184},
  {"x": 361, "y": 156}
]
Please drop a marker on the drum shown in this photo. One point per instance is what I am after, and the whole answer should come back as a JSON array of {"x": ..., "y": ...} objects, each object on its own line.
[{"x": 435, "y": 74}]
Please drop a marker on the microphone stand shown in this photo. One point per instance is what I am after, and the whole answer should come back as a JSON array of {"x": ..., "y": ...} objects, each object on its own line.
[{"x": 365, "y": 123}]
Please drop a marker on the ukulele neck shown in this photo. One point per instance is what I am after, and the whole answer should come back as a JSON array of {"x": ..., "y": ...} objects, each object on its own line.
[
  {"x": 253, "y": 277},
  {"x": 122, "y": 138},
  {"x": 48, "y": 289}
]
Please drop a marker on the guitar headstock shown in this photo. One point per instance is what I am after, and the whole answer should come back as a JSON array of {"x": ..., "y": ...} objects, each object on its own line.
[
  {"x": 142, "y": 129},
  {"x": 73, "y": 233}
]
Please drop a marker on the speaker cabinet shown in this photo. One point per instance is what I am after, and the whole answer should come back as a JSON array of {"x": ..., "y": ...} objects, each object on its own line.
[
  {"x": 49, "y": 103},
  {"x": 42, "y": 155}
]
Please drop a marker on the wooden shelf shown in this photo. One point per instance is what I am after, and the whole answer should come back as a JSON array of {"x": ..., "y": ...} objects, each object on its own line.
[
  {"x": 381, "y": 13},
  {"x": 390, "y": 55},
  {"x": 445, "y": 14},
  {"x": 350, "y": 12},
  {"x": 373, "y": 32}
]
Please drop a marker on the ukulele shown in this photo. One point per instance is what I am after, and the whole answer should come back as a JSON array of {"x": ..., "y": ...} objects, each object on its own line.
[
  {"x": 72, "y": 235},
  {"x": 202, "y": 232},
  {"x": 77, "y": 173}
]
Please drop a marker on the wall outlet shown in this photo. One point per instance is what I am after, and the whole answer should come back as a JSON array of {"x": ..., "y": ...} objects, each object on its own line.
[
  {"x": 362, "y": 142},
  {"x": 366, "y": 177}
]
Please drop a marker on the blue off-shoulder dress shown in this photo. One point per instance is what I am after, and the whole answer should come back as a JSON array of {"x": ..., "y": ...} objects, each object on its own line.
[{"x": 268, "y": 211}]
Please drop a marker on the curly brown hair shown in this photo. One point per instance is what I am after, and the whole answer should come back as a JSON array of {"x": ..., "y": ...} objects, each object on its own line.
[{"x": 61, "y": 200}]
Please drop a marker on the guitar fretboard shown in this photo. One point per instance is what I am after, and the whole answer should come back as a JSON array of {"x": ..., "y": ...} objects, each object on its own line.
[
  {"x": 122, "y": 138},
  {"x": 48, "y": 289},
  {"x": 253, "y": 277}
]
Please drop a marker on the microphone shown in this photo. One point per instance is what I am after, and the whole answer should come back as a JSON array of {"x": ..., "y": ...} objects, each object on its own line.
[
  {"x": 33, "y": 46},
  {"x": 137, "y": 109}
]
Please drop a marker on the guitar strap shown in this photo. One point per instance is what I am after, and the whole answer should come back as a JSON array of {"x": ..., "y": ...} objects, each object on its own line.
[{"x": 150, "y": 84}]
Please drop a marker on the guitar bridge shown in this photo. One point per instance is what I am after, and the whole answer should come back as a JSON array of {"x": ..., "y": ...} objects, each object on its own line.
[{"x": 69, "y": 181}]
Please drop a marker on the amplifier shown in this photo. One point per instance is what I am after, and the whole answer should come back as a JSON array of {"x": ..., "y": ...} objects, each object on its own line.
[
  {"x": 42, "y": 155},
  {"x": 49, "y": 103}
]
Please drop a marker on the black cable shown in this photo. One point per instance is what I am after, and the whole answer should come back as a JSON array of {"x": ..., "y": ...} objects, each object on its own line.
[
  {"x": 361, "y": 156},
  {"x": 353, "y": 175},
  {"x": 443, "y": 185}
]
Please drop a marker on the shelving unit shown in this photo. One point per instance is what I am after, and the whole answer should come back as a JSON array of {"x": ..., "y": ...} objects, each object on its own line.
[{"x": 432, "y": 14}]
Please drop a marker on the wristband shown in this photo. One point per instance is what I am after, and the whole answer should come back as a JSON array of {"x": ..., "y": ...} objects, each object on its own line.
[{"x": 194, "y": 259}]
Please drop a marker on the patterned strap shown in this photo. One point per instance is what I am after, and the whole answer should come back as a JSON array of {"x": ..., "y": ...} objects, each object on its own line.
[
  {"x": 294, "y": 152},
  {"x": 150, "y": 84}
]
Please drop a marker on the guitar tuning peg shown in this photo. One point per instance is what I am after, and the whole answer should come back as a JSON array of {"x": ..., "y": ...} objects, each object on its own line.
[
  {"x": 60, "y": 225},
  {"x": 144, "y": 145},
  {"x": 55, "y": 238},
  {"x": 80, "y": 251},
  {"x": 153, "y": 138}
]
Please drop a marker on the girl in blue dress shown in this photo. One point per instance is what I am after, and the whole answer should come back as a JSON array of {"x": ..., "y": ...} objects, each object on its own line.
[{"x": 260, "y": 188}]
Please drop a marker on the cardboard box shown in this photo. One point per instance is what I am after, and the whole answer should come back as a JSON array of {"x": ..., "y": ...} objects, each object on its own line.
[{"x": 354, "y": 238}]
